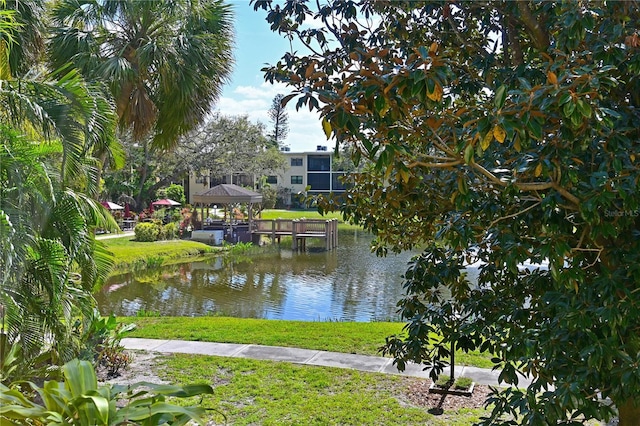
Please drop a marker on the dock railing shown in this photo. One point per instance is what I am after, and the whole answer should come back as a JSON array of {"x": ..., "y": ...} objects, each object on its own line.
[{"x": 299, "y": 230}]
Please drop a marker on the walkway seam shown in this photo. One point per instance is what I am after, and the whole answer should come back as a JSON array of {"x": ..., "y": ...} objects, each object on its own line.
[
  {"x": 385, "y": 365},
  {"x": 237, "y": 353},
  {"x": 311, "y": 361}
]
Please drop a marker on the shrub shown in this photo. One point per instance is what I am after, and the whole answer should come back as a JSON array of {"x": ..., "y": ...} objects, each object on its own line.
[
  {"x": 170, "y": 231},
  {"x": 101, "y": 337},
  {"x": 161, "y": 233},
  {"x": 146, "y": 232},
  {"x": 174, "y": 192},
  {"x": 176, "y": 215},
  {"x": 78, "y": 400}
]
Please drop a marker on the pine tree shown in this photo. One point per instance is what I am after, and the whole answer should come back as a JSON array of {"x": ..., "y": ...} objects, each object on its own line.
[{"x": 280, "y": 120}]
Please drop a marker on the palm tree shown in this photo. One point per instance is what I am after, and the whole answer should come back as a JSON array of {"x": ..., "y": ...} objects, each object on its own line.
[
  {"x": 49, "y": 258},
  {"x": 165, "y": 61}
]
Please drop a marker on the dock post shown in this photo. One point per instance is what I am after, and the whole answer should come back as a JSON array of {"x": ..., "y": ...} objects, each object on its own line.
[
  {"x": 273, "y": 231},
  {"x": 335, "y": 233},
  {"x": 294, "y": 236},
  {"x": 328, "y": 238}
]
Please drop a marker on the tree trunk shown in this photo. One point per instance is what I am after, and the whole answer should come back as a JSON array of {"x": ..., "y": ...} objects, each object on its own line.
[
  {"x": 629, "y": 412},
  {"x": 453, "y": 360},
  {"x": 102, "y": 161},
  {"x": 143, "y": 174}
]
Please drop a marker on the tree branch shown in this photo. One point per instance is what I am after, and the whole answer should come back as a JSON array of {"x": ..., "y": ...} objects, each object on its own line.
[
  {"x": 511, "y": 216},
  {"x": 440, "y": 144},
  {"x": 516, "y": 58},
  {"x": 538, "y": 34},
  {"x": 435, "y": 165},
  {"x": 566, "y": 194}
]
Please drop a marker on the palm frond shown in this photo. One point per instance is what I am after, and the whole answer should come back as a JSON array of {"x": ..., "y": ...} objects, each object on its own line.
[
  {"x": 165, "y": 61},
  {"x": 26, "y": 28},
  {"x": 63, "y": 106},
  {"x": 7, "y": 233}
]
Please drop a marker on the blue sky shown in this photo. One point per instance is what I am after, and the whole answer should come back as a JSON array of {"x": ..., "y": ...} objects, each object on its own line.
[{"x": 248, "y": 93}]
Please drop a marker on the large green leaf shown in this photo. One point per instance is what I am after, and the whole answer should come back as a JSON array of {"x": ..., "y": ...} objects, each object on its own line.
[{"x": 80, "y": 378}]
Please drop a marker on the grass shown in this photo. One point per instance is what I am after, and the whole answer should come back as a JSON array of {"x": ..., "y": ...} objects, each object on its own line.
[
  {"x": 130, "y": 254},
  {"x": 298, "y": 214},
  {"x": 463, "y": 383},
  {"x": 307, "y": 214},
  {"x": 362, "y": 338},
  {"x": 250, "y": 392}
]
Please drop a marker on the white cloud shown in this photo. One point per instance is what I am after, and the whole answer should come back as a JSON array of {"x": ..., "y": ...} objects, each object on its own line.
[
  {"x": 305, "y": 129},
  {"x": 264, "y": 90}
]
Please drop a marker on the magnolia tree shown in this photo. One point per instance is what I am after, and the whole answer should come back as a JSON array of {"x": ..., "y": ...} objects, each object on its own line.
[{"x": 503, "y": 133}]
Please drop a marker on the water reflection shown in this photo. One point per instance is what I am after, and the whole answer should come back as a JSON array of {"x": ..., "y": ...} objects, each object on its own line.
[{"x": 349, "y": 283}]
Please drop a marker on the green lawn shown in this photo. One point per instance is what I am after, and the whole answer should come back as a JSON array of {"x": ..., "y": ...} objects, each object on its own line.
[
  {"x": 298, "y": 214},
  {"x": 306, "y": 214},
  {"x": 130, "y": 254},
  {"x": 347, "y": 337},
  {"x": 252, "y": 392}
]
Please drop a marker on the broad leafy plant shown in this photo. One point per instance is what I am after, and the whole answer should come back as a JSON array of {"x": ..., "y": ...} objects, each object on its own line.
[
  {"x": 101, "y": 337},
  {"x": 80, "y": 400}
]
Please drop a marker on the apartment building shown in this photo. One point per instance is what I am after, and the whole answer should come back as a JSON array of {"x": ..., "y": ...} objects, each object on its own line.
[
  {"x": 309, "y": 168},
  {"x": 313, "y": 169}
]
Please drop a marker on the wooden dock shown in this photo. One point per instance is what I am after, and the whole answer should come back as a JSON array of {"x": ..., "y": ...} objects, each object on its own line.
[{"x": 299, "y": 230}]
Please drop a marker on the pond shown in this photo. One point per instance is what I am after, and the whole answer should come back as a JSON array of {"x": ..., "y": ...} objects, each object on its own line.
[{"x": 346, "y": 284}]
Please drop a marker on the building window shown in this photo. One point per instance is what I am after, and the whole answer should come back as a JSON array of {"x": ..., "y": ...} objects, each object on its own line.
[
  {"x": 319, "y": 181},
  {"x": 272, "y": 179},
  {"x": 201, "y": 179},
  {"x": 296, "y": 180},
  {"x": 215, "y": 181},
  {"x": 319, "y": 163},
  {"x": 296, "y": 162},
  {"x": 336, "y": 182}
]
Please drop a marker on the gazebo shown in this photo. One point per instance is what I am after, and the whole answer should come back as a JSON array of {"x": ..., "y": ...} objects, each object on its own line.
[{"x": 226, "y": 194}]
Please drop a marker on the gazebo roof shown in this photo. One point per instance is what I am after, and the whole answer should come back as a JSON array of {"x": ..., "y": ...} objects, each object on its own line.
[{"x": 227, "y": 194}]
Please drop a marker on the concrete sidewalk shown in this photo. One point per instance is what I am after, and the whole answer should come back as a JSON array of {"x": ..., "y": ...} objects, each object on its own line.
[
  {"x": 115, "y": 235},
  {"x": 374, "y": 364}
]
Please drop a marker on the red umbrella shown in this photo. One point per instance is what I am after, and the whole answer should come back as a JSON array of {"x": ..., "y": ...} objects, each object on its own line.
[
  {"x": 165, "y": 202},
  {"x": 127, "y": 213}
]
